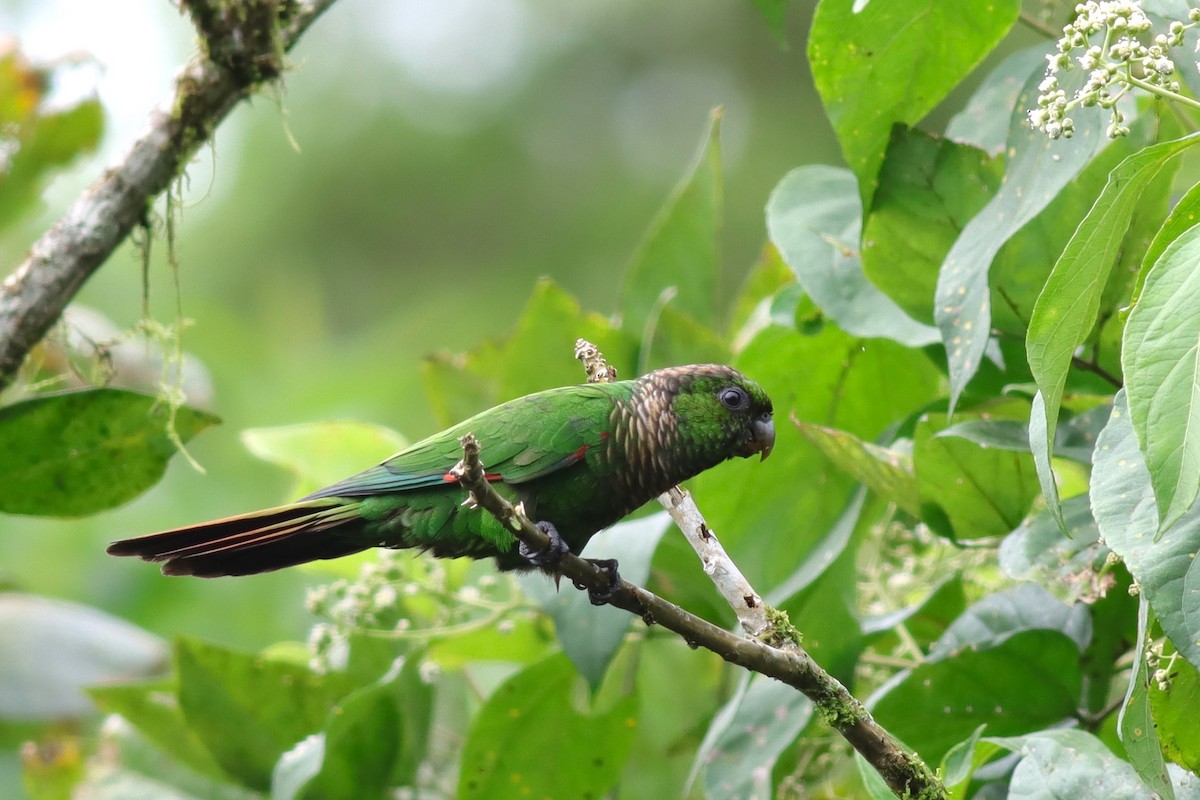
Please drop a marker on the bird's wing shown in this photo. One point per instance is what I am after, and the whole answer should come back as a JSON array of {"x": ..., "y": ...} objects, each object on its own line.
[{"x": 521, "y": 440}]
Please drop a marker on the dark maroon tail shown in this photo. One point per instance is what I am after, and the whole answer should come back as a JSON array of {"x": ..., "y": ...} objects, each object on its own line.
[{"x": 257, "y": 542}]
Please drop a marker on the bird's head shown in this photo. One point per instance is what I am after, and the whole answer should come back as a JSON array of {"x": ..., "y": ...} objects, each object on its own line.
[{"x": 718, "y": 412}]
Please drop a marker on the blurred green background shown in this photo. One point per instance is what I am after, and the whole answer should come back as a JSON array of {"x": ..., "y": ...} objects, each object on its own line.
[{"x": 449, "y": 154}]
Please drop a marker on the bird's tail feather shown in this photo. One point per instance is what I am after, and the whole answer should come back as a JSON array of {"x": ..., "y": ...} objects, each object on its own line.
[{"x": 257, "y": 542}]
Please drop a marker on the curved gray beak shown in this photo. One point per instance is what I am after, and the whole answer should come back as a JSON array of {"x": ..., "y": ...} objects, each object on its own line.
[
  {"x": 762, "y": 440},
  {"x": 764, "y": 436}
]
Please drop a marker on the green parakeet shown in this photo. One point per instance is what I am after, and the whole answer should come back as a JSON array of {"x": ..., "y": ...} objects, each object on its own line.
[{"x": 579, "y": 457}]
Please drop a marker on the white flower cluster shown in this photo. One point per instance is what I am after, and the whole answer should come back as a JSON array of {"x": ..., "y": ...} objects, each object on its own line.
[
  {"x": 399, "y": 595},
  {"x": 1121, "y": 62}
]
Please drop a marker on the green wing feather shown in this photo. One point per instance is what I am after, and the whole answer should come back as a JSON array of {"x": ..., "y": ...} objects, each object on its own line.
[{"x": 517, "y": 444}]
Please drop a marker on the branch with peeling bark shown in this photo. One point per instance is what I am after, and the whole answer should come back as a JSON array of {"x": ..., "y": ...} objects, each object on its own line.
[{"x": 243, "y": 48}]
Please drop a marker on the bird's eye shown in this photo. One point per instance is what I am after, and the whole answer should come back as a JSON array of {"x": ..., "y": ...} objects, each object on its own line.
[{"x": 733, "y": 398}]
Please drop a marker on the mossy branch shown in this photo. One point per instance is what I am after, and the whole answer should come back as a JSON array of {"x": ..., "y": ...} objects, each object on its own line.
[
  {"x": 906, "y": 774},
  {"x": 243, "y": 44}
]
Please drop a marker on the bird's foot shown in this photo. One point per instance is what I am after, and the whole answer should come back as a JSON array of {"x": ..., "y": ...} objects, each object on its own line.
[
  {"x": 551, "y": 554},
  {"x": 600, "y": 597}
]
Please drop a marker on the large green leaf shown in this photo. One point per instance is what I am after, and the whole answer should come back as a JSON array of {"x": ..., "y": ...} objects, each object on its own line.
[
  {"x": 680, "y": 250},
  {"x": 910, "y": 55},
  {"x": 748, "y": 735},
  {"x": 1123, "y": 504},
  {"x": 1037, "y": 170},
  {"x": 248, "y": 710},
  {"x": 1184, "y": 215},
  {"x": 1039, "y": 550},
  {"x": 1137, "y": 726},
  {"x": 815, "y": 221},
  {"x": 530, "y": 740},
  {"x": 1174, "y": 716},
  {"x": 590, "y": 635},
  {"x": 54, "y": 649},
  {"x": 929, "y": 188},
  {"x": 969, "y": 491},
  {"x": 1161, "y": 360},
  {"x": 153, "y": 708},
  {"x": 320, "y": 453},
  {"x": 924, "y": 622},
  {"x": 538, "y": 355},
  {"x": 39, "y": 139},
  {"x": 1068, "y": 306},
  {"x": 71, "y": 454},
  {"x": 359, "y": 752},
  {"x": 997, "y": 616},
  {"x": 984, "y": 120},
  {"x": 887, "y": 472},
  {"x": 1028, "y": 681},
  {"x": 1058, "y": 764}
]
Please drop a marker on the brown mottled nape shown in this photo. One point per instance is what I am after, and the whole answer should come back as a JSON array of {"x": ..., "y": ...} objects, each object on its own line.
[{"x": 681, "y": 421}]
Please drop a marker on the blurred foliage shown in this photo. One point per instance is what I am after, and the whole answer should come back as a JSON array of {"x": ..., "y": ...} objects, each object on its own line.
[{"x": 984, "y": 576}]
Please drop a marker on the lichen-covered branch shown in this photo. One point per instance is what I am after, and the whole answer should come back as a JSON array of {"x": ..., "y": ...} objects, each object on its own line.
[
  {"x": 243, "y": 47},
  {"x": 904, "y": 772}
]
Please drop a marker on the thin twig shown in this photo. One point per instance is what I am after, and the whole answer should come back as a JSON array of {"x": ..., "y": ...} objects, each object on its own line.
[
  {"x": 206, "y": 90},
  {"x": 904, "y": 772}
]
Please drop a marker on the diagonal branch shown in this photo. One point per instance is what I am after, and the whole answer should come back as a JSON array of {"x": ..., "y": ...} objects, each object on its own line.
[
  {"x": 904, "y": 772},
  {"x": 242, "y": 51}
]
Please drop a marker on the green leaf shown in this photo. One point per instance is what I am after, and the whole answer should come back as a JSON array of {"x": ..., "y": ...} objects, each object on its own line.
[
  {"x": 774, "y": 12},
  {"x": 924, "y": 622},
  {"x": 72, "y": 454},
  {"x": 1028, "y": 681},
  {"x": 590, "y": 635},
  {"x": 968, "y": 491},
  {"x": 1174, "y": 716},
  {"x": 680, "y": 250},
  {"x": 1064, "y": 763},
  {"x": 47, "y": 141},
  {"x": 1184, "y": 215},
  {"x": 997, "y": 616},
  {"x": 1067, "y": 309},
  {"x": 538, "y": 355},
  {"x": 153, "y": 708},
  {"x": 1074, "y": 441},
  {"x": 961, "y": 761},
  {"x": 523, "y": 643},
  {"x": 872, "y": 781},
  {"x": 814, "y": 220},
  {"x": 819, "y": 596},
  {"x": 888, "y": 473},
  {"x": 247, "y": 710},
  {"x": 929, "y": 188},
  {"x": 910, "y": 55},
  {"x": 1139, "y": 732},
  {"x": 320, "y": 453},
  {"x": 358, "y": 751},
  {"x": 1039, "y": 550},
  {"x": 1037, "y": 171},
  {"x": 1123, "y": 504},
  {"x": 533, "y": 714},
  {"x": 748, "y": 735},
  {"x": 677, "y": 338},
  {"x": 1161, "y": 360},
  {"x": 984, "y": 120},
  {"x": 54, "y": 649}
]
